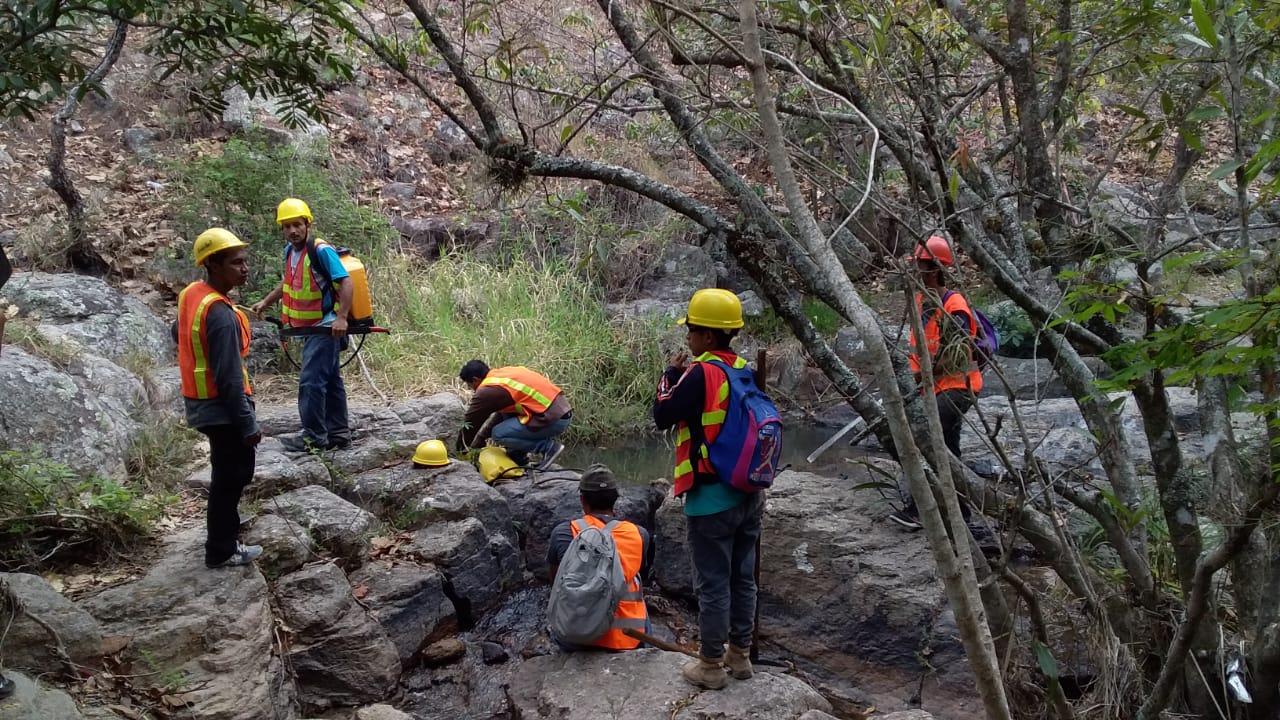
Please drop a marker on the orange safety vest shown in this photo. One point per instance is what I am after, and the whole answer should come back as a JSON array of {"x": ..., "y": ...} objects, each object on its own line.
[
  {"x": 303, "y": 303},
  {"x": 194, "y": 303},
  {"x": 954, "y": 303},
  {"x": 631, "y": 612},
  {"x": 531, "y": 393},
  {"x": 714, "y": 404}
]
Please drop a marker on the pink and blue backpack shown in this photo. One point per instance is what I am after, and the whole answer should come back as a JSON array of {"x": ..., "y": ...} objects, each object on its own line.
[{"x": 747, "y": 452}]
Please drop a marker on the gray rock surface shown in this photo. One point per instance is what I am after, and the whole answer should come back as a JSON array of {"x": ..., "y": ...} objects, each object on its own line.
[
  {"x": 409, "y": 602},
  {"x": 537, "y": 507},
  {"x": 431, "y": 236},
  {"x": 88, "y": 311},
  {"x": 286, "y": 545},
  {"x": 461, "y": 550},
  {"x": 647, "y": 685},
  {"x": 86, "y": 415},
  {"x": 449, "y": 144},
  {"x": 276, "y": 472},
  {"x": 139, "y": 140},
  {"x": 421, "y": 496},
  {"x": 400, "y": 191},
  {"x": 214, "y": 627},
  {"x": 334, "y": 523},
  {"x": 908, "y": 715},
  {"x": 381, "y": 712},
  {"x": 28, "y": 645},
  {"x": 33, "y": 701},
  {"x": 340, "y": 655}
]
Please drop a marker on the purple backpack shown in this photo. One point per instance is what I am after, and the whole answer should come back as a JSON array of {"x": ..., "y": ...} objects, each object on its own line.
[{"x": 746, "y": 453}]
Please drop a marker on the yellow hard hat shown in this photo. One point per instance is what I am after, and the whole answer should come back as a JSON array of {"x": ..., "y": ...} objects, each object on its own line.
[
  {"x": 291, "y": 208},
  {"x": 714, "y": 308},
  {"x": 213, "y": 241},
  {"x": 431, "y": 453}
]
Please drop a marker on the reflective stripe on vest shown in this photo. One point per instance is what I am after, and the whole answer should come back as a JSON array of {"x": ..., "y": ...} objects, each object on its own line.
[
  {"x": 303, "y": 302},
  {"x": 194, "y": 303},
  {"x": 954, "y": 303},
  {"x": 531, "y": 393},
  {"x": 715, "y": 403},
  {"x": 631, "y": 612}
]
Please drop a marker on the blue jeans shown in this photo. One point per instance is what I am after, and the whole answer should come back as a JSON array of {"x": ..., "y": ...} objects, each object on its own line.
[
  {"x": 322, "y": 397},
  {"x": 518, "y": 439},
  {"x": 723, "y": 546}
]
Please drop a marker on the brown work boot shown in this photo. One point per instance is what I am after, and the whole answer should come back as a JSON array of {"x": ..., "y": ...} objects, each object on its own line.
[
  {"x": 706, "y": 673},
  {"x": 738, "y": 660}
]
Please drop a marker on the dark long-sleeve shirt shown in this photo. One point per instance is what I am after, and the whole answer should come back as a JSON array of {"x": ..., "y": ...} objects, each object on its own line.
[{"x": 232, "y": 406}]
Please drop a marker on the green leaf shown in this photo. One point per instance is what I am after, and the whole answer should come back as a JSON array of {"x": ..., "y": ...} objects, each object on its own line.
[
  {"x": 565, "y": 134},
  {"x": 1166, "y": 103},
  {"x": 1131, "y": 110},
  {"x": 1225, "y": 169},
  {"x": 953, "y": 186},
  {"x": 1196, "y": 40},
  {"x": 1044, "y": 658},
  {"x": 1204, "y": 23},
  {"x": 1208, "y": 112}
]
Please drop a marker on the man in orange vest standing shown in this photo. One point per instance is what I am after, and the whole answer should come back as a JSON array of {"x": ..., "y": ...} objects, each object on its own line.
[
  {"x": 213, "y": 339},
  {"x": 527, "y": 411},
  {"x": 317, "y": 293},
  {"x": 598, "y": 492},
  {"x": 723, "y": 522},
  {"x": 945, "y": 314}
]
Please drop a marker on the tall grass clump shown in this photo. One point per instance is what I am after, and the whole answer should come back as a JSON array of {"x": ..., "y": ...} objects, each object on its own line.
[
  {"x": 240, "y": 188},
  {"x": 540, "y": 314}
]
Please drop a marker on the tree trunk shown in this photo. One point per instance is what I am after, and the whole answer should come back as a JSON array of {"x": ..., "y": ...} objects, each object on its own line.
[{"x": 80, "y": 252}]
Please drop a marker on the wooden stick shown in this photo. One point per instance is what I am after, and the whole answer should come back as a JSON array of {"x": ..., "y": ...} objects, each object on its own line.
[
  {"x": 660, "y": 644},
  {"x": 762, "y": 370}
]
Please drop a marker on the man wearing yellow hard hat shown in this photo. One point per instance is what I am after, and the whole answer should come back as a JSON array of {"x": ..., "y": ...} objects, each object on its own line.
[
  {"x": 317, "y": 292},
  {"x": 213, "y": 339}
]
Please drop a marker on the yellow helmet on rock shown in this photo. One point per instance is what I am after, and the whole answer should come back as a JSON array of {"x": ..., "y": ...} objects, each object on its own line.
[
  {"x": 431, "y": 453},
  {"x": 291, "y": 208},
  {"x": 714, "y": 308},
  {"x": 213, "y": 241}
]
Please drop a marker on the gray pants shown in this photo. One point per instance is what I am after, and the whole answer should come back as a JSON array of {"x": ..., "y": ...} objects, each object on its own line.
[{"x": 723, "y": 546}]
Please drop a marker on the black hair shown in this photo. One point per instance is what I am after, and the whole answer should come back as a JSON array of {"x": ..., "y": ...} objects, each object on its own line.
[
  {"x": 600, "y": 500},
  {"x": 720, "y": 337},
  {"x": 473, "y": 370}
]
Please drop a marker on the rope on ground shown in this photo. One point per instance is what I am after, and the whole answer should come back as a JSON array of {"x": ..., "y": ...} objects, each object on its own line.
[{"x": 364, "y": 370}]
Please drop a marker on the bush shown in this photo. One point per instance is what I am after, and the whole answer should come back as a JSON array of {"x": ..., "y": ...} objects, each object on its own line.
[
  {"x": 544, "y": 316},
  {"x": 1017, "y": 333},
  {"x": 240, "y": 188},
  {"x": 49, "y": 513}
]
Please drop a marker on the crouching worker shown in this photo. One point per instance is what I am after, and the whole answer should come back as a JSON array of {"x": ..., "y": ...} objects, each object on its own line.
[
  {"x": 520, "y": 409},
  {"x": 590, "y": 603}
]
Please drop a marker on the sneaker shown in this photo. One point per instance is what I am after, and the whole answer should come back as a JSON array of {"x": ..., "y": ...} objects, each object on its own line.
[
  {"x": 297, "y": 443},
  {"x": 908, "y": 520},
  {"x": 550, "y": 456},
  {"x": 339, "y": 444},
  {"x": 244, "y": 555}
]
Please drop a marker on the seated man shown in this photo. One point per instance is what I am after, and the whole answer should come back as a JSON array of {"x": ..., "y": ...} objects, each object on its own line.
[
  {"x": 598, "y": 491},
  {"x": 526, "y": 409}
]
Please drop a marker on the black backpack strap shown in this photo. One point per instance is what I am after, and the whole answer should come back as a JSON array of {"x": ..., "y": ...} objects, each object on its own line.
[{"x": 322, "y": 271}]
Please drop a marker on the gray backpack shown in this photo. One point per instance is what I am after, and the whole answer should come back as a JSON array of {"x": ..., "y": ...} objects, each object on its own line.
[{"x": 588, "y": 586}]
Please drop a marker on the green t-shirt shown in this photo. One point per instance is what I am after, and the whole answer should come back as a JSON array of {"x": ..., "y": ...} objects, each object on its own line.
[{"x": 711, "y": 498}]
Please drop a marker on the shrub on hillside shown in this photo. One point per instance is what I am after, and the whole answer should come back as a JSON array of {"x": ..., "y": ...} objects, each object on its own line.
[{"x": 240, "y": 188}]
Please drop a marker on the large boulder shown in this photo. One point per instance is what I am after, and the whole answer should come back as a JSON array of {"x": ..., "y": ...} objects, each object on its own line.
[
  {"x": 89, "y": 312},
  {"x": 213, "y": 628},
  {"x": 276, "y": 472},
  {"x": 412, "y": 497},
  {"x": 477, "y": 567},
  {"x": 340, "y": 656},
  {"x": 539, "y": 506},
  {"x": 409, "y": 602},
  {"x": 33, "y": 701},
  {"x": 78, "y": 410},
  {"x": 43, "y": 620},
  {"x": 1032, "y": 378},
  {"x": 286, "y": 545},
  {"x": 334, "y": 523},
  {"x": 585, "y": 686}
]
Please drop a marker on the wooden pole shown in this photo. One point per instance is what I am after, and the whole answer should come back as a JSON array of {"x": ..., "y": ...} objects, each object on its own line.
[{"x": 762, "y": 371}]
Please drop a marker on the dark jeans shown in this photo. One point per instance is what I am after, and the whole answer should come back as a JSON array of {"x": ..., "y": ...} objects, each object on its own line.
[
  {"x": 231, "y": 469},
  {"x": 723, "y": 546},
  {"x": 519, "y": 440},
  {"x": 322, "y": 396},
  {"x": 952, "y": 405}
]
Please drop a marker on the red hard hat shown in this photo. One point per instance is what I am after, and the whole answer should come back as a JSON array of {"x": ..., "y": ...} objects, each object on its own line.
[{"x": 936, "y": 249}]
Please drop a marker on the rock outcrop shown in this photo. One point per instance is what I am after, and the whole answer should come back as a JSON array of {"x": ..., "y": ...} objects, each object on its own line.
[
  {"x": 33, "y": 701},
  {"x": 37, "y": 620}
]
